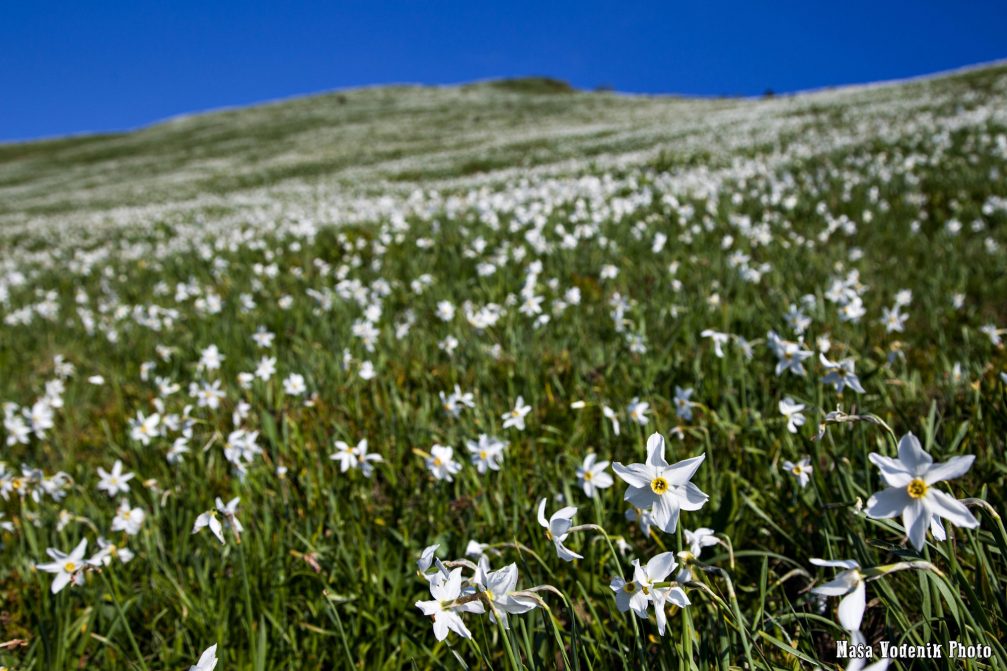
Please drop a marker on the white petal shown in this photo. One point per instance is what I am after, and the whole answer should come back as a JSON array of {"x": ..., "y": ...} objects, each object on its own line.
[
  {"x": 888, "y": 503},
  {"x": 911, "y": 454},
  {"x": 682, "y": 472},
  {"x": 851, "y": 608},
  {"x": 955, "y": 467},
  {"x": 655, "y": 451},
  {"x": 635, "y": 475},
  {"x": 950, "y": 508}
]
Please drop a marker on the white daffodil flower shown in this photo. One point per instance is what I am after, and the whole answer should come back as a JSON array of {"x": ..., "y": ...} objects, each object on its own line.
[
  {"x": 498, "y": 587},
  {"x": 911, "y": 492},
  {"x": 644, "y": 590},
  {"x": 557, "y": 527},
  {"x": 849, "y": 584},
  {"x": 662, "y": 488},
  {"x": 801, "y": 470},
  {"x": 66, "y": 567},
  {"x": 699, "y": 539},
  {"x": 591, "y": 475},
  {"x": 793, "y": 413},
  {"x": 445, "y": 590}
]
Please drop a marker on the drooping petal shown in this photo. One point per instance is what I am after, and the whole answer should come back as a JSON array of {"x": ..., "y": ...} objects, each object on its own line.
[
  {"x": 59, "y": 582},
  {"x": 851, "y": 608},
  {"x": 541, "y": 514},
  {"x": 838, "y": 586},
  {"x": 665, "y": 513},
  {"x": 836, "y": 563},
  {"x": 916, "y": 520},
  {"x": 950, "y": 508}
]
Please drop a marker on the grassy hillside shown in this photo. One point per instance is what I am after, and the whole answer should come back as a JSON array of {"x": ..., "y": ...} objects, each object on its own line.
[{"x": 258, "y": 362}]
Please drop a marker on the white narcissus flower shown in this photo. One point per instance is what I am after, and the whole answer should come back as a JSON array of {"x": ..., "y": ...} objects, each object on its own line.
[
  {"x": 441, "y": 463},
  {"x": 207, "y": 661},
  {"x": 643, "y": 590},
  {"x": 486, "y": 453},
  {"x": 498, "y": 588},
  {"x": 114, "y": 482},
  {"x": 516, "y": 416},
  {"x": 210, "y": 519},
  {"x": 801, "y": 470},
  {"x": 592, "y": 476},
  {"x": 719, "y": 340},
  {"x": 637, "y": 411},
  {"x": 683, "y": 406},
  {"x": 66, "y": 567},
  {"x": 611, "y": 415},
  {"x": 556, "y": 529},
  {"x": 445, "y": 590},
  {"x": 662, "y": 488},
  {"x": 911, "y": 492},
  {"x": 840, "y": 374},
  {"x": 793, "y": 413},
  {"x": 850, "y": 585},
  {"x": 699, "y": 539},
  {"x": 128, "y": 519}
]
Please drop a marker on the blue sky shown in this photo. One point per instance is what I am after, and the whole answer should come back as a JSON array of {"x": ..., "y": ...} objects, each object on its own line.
[{"x": 71, "y": 67}]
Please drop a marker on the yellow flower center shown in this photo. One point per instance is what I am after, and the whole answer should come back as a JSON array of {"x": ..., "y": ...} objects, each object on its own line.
[
  {"x": 629, "y": 587},
  {"x": 659, "y": 485},
  {"x": 646, "y": 590},
  {"x": 588, "y": 475},
  {"x": 917, "y": 489},
  {"x": 482, "y": 454},
  {"x": 437, "y": 462},
  {"x": 69, "y": 567},
  {"x": 796, "y": 470}
]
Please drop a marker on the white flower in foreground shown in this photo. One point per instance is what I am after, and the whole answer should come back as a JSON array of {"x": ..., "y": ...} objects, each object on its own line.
[
  {"x": 699, "y": 539},
  {"x": 114, "y": 482},
  {"x": 210, "y": 519},
  {"x": 498, "y": 587},
  {"x": 557, "y": 527},
  {"x": 441, "y": 463},
  {"x": 793, "y": 413},
  {"x": 801, "y": 470},
  {"x": 911, "y": 493},
  {"x": 516, "y": 416},
  {"x": 591, "y": 475},
  {"x": 850, "y": 585},
  {"x": 662, "y": 488},
  {"x": 643, "y": 590},
  {"x": 66, "y": 567},
  {"x": 445, "y": 590},
  {"x": 207, "y": 661}
]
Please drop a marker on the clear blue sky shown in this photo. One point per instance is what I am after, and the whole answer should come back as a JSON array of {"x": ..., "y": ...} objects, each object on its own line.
[{"x": 70, "y": 67}]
